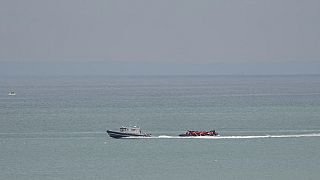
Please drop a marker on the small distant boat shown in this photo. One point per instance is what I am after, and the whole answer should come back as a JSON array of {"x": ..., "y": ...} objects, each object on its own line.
[
  {"x": 127, "y": 132},
  {"x": 11, "y": 93},
  {"x": 200, "y": 133}
]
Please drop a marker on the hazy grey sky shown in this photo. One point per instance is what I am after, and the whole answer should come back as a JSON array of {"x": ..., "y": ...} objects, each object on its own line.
[{"x": 161, "y": 31}]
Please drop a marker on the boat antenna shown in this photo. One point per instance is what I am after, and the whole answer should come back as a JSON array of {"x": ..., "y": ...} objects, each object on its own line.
[{"x": 138, "y": 121}]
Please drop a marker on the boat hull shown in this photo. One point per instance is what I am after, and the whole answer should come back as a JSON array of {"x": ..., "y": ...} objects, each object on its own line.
[{"x": 118, "y": 135}]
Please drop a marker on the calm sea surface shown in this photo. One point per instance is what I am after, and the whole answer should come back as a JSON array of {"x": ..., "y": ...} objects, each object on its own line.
[{"x": 54, "y": 128}]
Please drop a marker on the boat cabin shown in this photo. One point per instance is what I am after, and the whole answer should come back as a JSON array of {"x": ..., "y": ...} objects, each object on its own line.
[
  {"x": 12, "y": 93},
  {"x": 133, "y": 130}
]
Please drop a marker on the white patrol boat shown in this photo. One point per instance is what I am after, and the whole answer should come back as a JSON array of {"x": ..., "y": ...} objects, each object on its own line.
[{"x": 127, "y": 132}]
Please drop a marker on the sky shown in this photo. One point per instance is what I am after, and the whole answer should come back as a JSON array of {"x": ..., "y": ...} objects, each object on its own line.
[{"x": 159, "y": 37}]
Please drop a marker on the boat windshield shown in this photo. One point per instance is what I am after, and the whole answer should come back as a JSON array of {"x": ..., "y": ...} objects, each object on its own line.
[{"x": 123, "y": 129}]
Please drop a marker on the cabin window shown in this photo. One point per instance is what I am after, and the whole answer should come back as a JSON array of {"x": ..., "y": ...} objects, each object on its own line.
[{"x": 123, "y": 129}]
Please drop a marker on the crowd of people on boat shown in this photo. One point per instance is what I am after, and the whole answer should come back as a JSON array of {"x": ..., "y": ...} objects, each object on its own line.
[{"x": 200, "y": 133}]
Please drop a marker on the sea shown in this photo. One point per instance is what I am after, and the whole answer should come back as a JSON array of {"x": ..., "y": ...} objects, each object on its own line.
[{"x": 55, "y": 127}]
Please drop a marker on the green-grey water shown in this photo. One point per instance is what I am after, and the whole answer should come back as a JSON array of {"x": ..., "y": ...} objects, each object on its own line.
[{"x": 54, "y": 128}]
